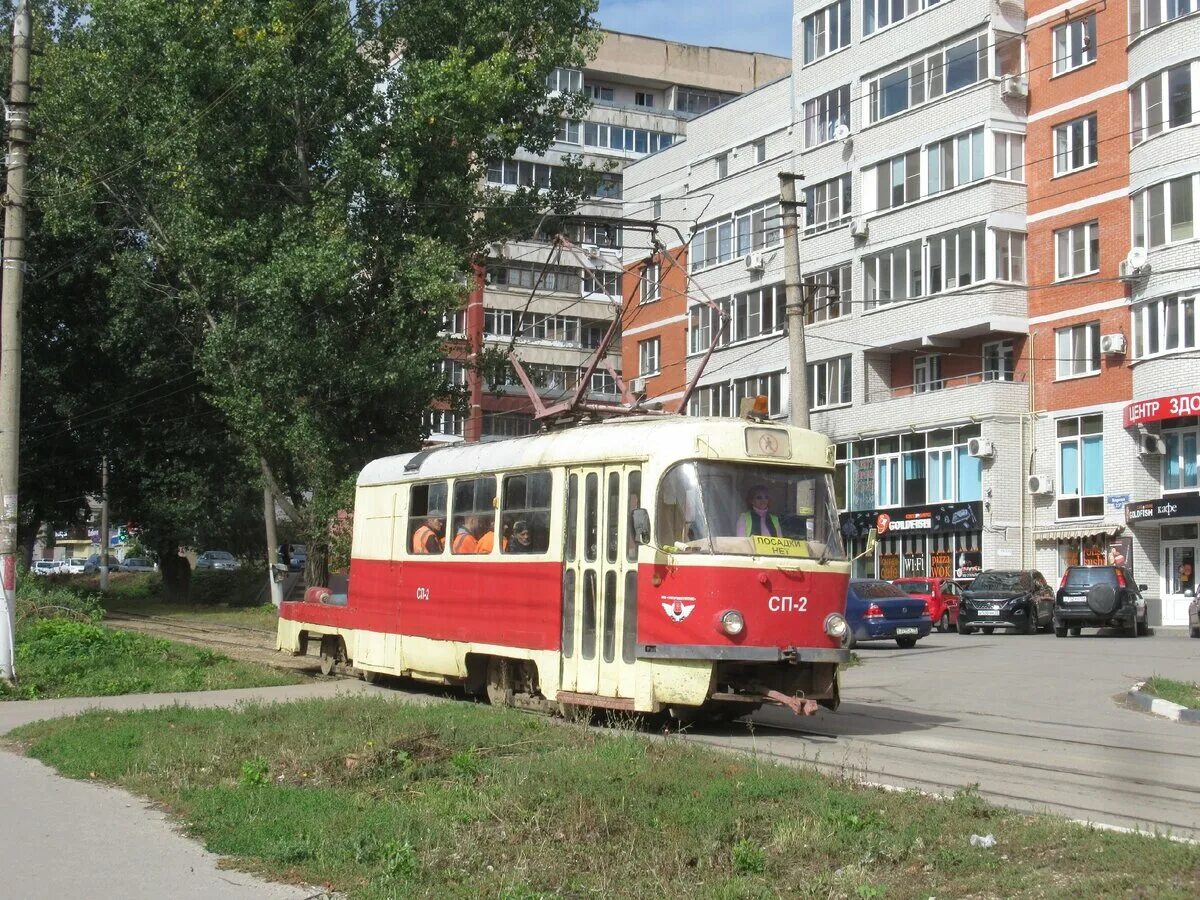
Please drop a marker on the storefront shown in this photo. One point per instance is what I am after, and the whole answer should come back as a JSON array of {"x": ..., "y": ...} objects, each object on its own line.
[
  {"x": 944, "y": 541},
  {"x": 1169, "y": 429}
]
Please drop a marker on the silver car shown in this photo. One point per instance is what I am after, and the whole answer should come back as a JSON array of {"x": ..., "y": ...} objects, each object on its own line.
[
  {"x": 221, "y": 560},
  {"x": 136, "y": 564}
]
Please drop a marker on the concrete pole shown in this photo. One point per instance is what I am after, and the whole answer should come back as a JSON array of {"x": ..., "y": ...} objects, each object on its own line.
[
  {"x": 275, "y": 585},
  {"x": 794, "y": 289},
  {"x": 10, "y": 329},
  {"x": 104, "y": 526}
]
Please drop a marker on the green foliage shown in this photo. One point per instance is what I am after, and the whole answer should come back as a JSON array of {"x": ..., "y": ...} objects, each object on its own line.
[
  {"x": 61, "y": 657},
  {"x": 367, "y": 797},
  {"x": 1185, "y": 693},
  {"x": 39, "y": 597},
  {"x": 244, "y": 587}
]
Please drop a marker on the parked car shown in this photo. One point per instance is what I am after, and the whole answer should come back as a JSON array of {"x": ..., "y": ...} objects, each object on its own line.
[
  {"x": 136, "y": 564},
  {"x": 940, "y": 596},
  {"x": 44, "y": 567},
  {"x": 1018, "y": 599},
  {"x": 880, "y": 611},
  {"x": 1194, "y": 618},
  {"x": 294, "y": 556},
  {"x": 1099, "y": 597},
  {"x": 221, "y": 560},
  {"x": 72, "y": 566}
]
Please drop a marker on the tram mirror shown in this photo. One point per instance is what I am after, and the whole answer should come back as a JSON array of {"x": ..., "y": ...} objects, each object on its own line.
[
  {"x": 641, "y": 525},
  {"x": 872, "y": 539}
]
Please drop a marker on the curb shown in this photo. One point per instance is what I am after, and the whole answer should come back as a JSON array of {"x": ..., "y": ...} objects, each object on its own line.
[{"x": 1160, "y": 707}]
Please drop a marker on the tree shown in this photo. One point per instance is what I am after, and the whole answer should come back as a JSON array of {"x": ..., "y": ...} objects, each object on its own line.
[{"x": 292, "y": 195}]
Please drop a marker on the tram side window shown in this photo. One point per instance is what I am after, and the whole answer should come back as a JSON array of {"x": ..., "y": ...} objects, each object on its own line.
[
  {"x": 634, "y": 501},
  {"x": 474, "y": 516},
  {"x": 525, "y": 513},
  {"x": 427, "y": 518}
]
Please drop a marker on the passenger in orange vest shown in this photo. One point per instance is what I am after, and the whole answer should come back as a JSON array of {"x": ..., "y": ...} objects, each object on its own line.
[
  {"x": 486, "y": 542},
  {"x": 758, "y": 519},
  {"x": 464, "y": 535},
  {"x": 427, "y": 539}
]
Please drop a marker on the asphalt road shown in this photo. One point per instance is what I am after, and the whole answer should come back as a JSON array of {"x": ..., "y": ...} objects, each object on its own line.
[{"x": 1031, "y": 719}]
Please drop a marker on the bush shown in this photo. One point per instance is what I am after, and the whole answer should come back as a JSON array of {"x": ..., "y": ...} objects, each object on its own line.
[
  {"x": 245, "y": 587},
  {"x": 41, "y": 598}
]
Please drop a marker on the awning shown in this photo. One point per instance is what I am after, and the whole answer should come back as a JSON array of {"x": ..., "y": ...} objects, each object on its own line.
[{"x": 1067, "y": 532}]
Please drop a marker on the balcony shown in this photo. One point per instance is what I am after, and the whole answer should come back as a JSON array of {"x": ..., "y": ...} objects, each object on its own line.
[{"x": 949, "y": 383}]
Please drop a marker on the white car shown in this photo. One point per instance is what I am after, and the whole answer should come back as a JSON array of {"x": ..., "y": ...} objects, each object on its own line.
[
  {"x": 45, "y": 567},
  {"x": 72, "y": 566}
]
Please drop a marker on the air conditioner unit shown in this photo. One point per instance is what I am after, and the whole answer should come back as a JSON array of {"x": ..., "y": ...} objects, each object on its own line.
[
  {"x": 610, "y": 252},
  {"x": 981, "y": 448},
  {"x": 1040, "y": 484},
  {"x": 1135, "y": 265},
  {"x": 858, "y": 228},
  {"x": 1015, "y": 86},
  {"x": 637, "y": 385},
  {"x": 841, "y": 133},
  {"x": 1151, "y": 445},
  {"x": 755, "y": 261},
  {"x": 1112, "y": 343}
]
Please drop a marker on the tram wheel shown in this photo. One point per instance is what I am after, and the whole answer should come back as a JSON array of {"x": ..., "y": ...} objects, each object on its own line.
[
  {"x": 500, "y": 682},
  {"x": 329, "y": 654},
  {"x": 369, "y": 677}
]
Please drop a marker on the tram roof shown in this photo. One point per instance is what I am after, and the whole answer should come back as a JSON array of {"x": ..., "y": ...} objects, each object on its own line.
[{"x": 602, "y": 442}]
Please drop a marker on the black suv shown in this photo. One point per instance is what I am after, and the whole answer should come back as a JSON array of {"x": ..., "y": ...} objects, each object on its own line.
[
  {"x": 1018, "y": 599},
  {"x": 1099, "y": 597}
]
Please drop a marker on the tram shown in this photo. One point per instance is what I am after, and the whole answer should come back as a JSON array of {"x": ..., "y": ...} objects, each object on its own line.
[{"x": 677, "y": 564}]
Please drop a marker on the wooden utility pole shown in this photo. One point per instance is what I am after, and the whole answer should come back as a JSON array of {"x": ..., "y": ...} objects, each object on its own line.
[
  {"x": 17, "y": 114},
  {"x": 794, "y": 289}
]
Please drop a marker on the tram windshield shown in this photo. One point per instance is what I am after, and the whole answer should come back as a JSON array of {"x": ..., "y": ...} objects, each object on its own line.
[{"x": 748, "y": 509}]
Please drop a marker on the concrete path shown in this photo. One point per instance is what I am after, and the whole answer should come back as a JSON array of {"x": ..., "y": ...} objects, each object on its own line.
[{"x": 62, "y": 839}]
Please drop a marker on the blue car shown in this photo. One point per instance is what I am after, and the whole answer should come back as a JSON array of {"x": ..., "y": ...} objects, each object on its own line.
[{"x": 880, "y": 611}]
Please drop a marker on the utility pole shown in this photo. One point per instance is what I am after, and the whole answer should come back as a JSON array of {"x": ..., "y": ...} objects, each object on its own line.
[
  {"x": 10, "y": 329},
  {"x": 794, "y": 289},
  {"x": 276, "y": 585},
  {"x": 104, "y": 525}
]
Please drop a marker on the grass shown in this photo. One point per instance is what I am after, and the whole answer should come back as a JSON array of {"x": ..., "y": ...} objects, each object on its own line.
[
  {"x": 61, "y": 657},
  {"x": 264, "y": 617},
  {"x": 1185, "y": 693},
  {"x": 379, "y": 799}
]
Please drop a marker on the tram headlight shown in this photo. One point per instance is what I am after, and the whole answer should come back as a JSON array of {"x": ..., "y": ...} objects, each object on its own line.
[
  {"x": 835, "y": 626},
  {"x": 733, "y": 623}
]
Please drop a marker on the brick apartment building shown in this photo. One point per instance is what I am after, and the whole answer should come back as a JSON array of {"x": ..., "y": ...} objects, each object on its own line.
[
  {"x": 1006, "y": 384},
  {"x": 643, "y": 92}
]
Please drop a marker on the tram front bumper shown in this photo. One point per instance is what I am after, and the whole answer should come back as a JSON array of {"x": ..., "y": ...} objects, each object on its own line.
[{"x": 734, "y": 653}]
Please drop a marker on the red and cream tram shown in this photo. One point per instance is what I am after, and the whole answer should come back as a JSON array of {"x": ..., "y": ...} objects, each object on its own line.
[{"x": 645, "y": 564}]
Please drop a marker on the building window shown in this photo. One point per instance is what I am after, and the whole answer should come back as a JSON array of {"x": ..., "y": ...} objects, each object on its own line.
[
  {"x": 599, "y": 94},
  {"x": 710, "y": 400},
  {"x": 1146, "y": 14},
  {"x": 568, "y": 132},
  {"x": 829, "y": 383},
  {"x": 1077, "y": 251},
  {"x": 604, "y": 383},
  {"x": 1164, "y": 213},
  {"x": 822, "y": 116},
  {"x": 643, "y": 98},
  {"x": 998, "y": 361},
  {"x": 955, "y": 161},
  {"x": 1010, "y": 256},
  {"x": 1161, "y": 102},
  {"x": 758, "y": 228},
  {"x": 712, "y": 245},
  {"x": 1181, "y": 459},
  {"x": 827, "y": 204},
  {"x": 760, "y": 150},
  {"x": 757, "y": 312},
  {"x": 596, "y": 281},
  {"x": 506, "y": 424},
  {"x": 650, "y": 283},
  {"x": 892, "y": 276},
  {"x": 1077, "y": 350},
  {"x": 1074, "y": 44},
  {"x": 596, "y": 234},
  {"x": 648, "y": 352},
  {"x": 1075, "y": 145},
  {"x": 879, "y": 14},
  {"x": 828, "y": 293},
  {"x": 521, "y": 173},
  {"x": 770, "y": 386},
  {"x": 1010, "y": 156},
  {"x": 1165, "y": 325},
  {"x": 455, "y": 371},
  {"x": 703, "y": 322},
  {"x": 957, "y": 258},
  {"x": 898, "y": 180},
  {"x": 722, "y": 166},
  {"x": 656, "y": 207},
  {"x": 1080, "y": 467},
  {"x": 554, "y": 329},
  {"x": 927, "y": 374},
  {"x": 887, "y": 472},
  {"x": 443, "y": 421},
  {"x": 826, "y": 30},
  {"x": 521, "y": 277},
  {"x": 455, "y": 322},
  {"x": 619, "y": 139},
  {"x": 693, "y": 101},
  {"x": 924, "y": 80},
  {"x": 565, "y": 81}
]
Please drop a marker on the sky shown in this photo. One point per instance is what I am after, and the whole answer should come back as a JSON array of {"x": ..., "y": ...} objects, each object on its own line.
[{"x": 760, "y": 25}]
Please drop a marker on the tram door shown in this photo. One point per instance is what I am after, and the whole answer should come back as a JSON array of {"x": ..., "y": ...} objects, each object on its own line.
[{"x": 599, "y": 597}]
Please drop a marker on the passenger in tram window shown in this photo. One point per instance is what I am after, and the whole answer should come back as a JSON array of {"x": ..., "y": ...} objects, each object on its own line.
[
  {"x": 427, "y": 539},
  {"x": 758, "y": 518},
  {"x": 464, "y": 535},
  {"x": 486, "y": 541},
  {"x": 522, "y": 538}
]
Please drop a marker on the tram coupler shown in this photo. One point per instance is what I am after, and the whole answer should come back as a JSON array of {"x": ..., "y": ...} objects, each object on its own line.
[{"x": 801, "y": 706}]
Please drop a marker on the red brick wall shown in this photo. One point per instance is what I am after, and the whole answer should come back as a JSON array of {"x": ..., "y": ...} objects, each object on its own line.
[
  {"x": 961, "y": 365},
  {"x": 672, "y": 335}
]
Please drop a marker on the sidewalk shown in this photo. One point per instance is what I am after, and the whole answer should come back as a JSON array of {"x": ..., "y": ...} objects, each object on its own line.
[{"x": 63, "y": 839}]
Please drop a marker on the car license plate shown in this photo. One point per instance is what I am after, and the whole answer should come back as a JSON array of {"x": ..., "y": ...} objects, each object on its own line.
[
  {"x": 989, "y": 612},
  {"x": 900, "y": 631}
]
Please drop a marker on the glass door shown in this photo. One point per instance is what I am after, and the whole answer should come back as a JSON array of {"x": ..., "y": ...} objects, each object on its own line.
[{"x": 1179, "y": 581}]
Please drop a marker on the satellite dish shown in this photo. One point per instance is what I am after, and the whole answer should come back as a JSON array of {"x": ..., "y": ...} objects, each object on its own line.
[
  {"x": 841, "y": 133},
  {"x": 1137, "y": 258}
]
